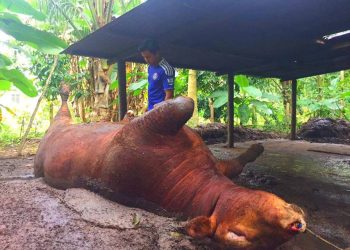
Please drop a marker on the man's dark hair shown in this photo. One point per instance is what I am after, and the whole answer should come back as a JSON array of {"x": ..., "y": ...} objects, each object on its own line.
[{"x": 150, "y": 45}]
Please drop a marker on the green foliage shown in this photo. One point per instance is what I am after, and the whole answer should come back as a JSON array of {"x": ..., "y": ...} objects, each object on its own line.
[
  {"x": 324, "y": 96},
  {"x": 208, "y": 84},
  {"x": 220, "y": 97},
  {"x": 40, "y": 40},
  {"x": 7, "y": 109},
  {"x": 252, "y": 91},
  {"x": 136, "y": 87},
  {"x": 5, "y": 85},
  {"x": 120, "y": 7},
  {"x": 22, "y": 7},
  {"x": 18, "y": 79},
  {"x": 7, "y": 135},
  {"x": 10, "y": 76},
  {"x": 41, "y": 68},
  {"x": 242, "y": 80},
  {"x": 10, "y": 133},
  {"x": 4, "y": 61},
  {"x": 114, "y": 85},
  {"x": 181, "y": 82},
  {"x": 259, "y": 102}
]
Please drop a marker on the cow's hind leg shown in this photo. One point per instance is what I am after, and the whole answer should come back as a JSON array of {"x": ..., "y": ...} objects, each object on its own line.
[{"x": 234, "y": 167}]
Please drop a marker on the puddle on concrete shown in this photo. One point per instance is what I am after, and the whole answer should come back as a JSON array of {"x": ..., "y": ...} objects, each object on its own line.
[{"x": 333, "y": 170}]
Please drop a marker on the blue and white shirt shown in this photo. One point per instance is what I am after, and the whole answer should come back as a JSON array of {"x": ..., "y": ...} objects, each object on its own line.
[{"x": 160, "y": 78}]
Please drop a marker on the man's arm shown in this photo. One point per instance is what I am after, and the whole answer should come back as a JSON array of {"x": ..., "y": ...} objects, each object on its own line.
[{"x": 168, "y": 82}]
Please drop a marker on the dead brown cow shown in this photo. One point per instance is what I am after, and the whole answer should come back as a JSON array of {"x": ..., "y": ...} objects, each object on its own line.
[{"x": 156, "y": 158}]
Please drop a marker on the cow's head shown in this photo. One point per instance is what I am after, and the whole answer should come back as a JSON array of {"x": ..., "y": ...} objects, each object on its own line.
[
  {"x": 242, "y": 218},
  {"x": 247, "y": 219}
]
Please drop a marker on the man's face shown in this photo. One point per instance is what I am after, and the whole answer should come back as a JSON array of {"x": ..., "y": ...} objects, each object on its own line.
[{"x": 150, "y": 58}]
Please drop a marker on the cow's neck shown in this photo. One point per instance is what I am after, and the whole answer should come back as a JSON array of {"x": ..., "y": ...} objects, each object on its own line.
[{"x": 198, "y": 192}]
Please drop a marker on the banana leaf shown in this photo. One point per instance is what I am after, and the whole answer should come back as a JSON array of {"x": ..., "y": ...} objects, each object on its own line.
[
  {"x": 4, "y": 61},
  {"x": 41, "y": 40},
  {"x": 18, "y": 79},
  {"x": 21, "y": 7},
  {"x": 5, "y": 85}
]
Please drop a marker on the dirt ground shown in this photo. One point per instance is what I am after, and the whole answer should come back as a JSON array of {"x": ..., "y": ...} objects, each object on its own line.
[
  {"x": 326, "y": 130},
  {"x": 215, "y": 133},
  {"x": 36, "y": 216}
]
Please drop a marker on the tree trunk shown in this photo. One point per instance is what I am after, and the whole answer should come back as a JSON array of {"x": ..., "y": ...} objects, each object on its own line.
[
  {"x": 101, "y": 12},
  {"x": 23, "y": 141},
  {"x": 101, "y": 83},
  {"x": 286, "y": 95},
  {"x": 192, "y": 93},
  {"x": 212, "y": 113}
]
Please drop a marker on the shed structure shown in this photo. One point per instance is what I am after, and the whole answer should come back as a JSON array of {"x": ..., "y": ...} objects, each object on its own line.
[{"x": 266, "y": 38}]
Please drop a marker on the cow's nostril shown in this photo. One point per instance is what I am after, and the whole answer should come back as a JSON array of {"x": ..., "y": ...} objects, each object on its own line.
[{"x": 297, "y": 226}]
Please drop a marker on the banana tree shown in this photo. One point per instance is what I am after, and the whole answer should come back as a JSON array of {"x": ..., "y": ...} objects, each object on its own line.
[{"x": 78, "y": 18}]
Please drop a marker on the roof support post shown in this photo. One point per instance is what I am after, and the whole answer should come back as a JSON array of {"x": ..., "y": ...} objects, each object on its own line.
[
  {"x": 122, "y": 89},
  {"x": 294, "y": 110},
  {"x": 230, "y": 110}
]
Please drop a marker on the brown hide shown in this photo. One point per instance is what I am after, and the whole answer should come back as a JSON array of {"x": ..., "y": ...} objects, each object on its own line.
[{"x": 156, "y": 158}]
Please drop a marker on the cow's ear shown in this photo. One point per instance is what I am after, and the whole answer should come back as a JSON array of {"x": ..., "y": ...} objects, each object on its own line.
[
  {"x": 167, "y": 118},
  {"x": 200, "y": 227}
]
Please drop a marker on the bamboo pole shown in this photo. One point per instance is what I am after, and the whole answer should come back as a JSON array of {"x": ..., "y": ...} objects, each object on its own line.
[{"x": 48, "y": 80}]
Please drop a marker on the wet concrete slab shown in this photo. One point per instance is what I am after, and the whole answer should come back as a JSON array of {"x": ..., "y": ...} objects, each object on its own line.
[{"x": 319, "y": 182}]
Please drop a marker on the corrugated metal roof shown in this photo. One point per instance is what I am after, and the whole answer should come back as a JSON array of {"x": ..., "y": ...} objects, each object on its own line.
[{"x": 270, "y": 38}]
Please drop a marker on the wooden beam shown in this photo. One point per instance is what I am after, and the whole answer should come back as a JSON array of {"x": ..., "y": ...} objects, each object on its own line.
[
  {"x": 230, "y": 110},
  {"x": 294, "y": 110},
  {"x": 123, "y": 105}
]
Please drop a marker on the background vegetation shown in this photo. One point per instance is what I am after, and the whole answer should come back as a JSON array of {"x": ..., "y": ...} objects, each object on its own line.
[{"x": 39, "y": 29}]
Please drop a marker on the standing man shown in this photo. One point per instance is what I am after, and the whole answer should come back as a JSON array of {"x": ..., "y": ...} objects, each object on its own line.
[{"x": 161, "y": 76}]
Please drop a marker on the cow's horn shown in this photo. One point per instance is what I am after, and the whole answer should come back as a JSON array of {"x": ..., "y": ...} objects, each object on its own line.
[{"x": 168, "y": 117}]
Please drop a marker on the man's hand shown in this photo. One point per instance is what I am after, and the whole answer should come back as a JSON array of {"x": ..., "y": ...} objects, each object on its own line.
[{"x": 169, "y": 94}]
